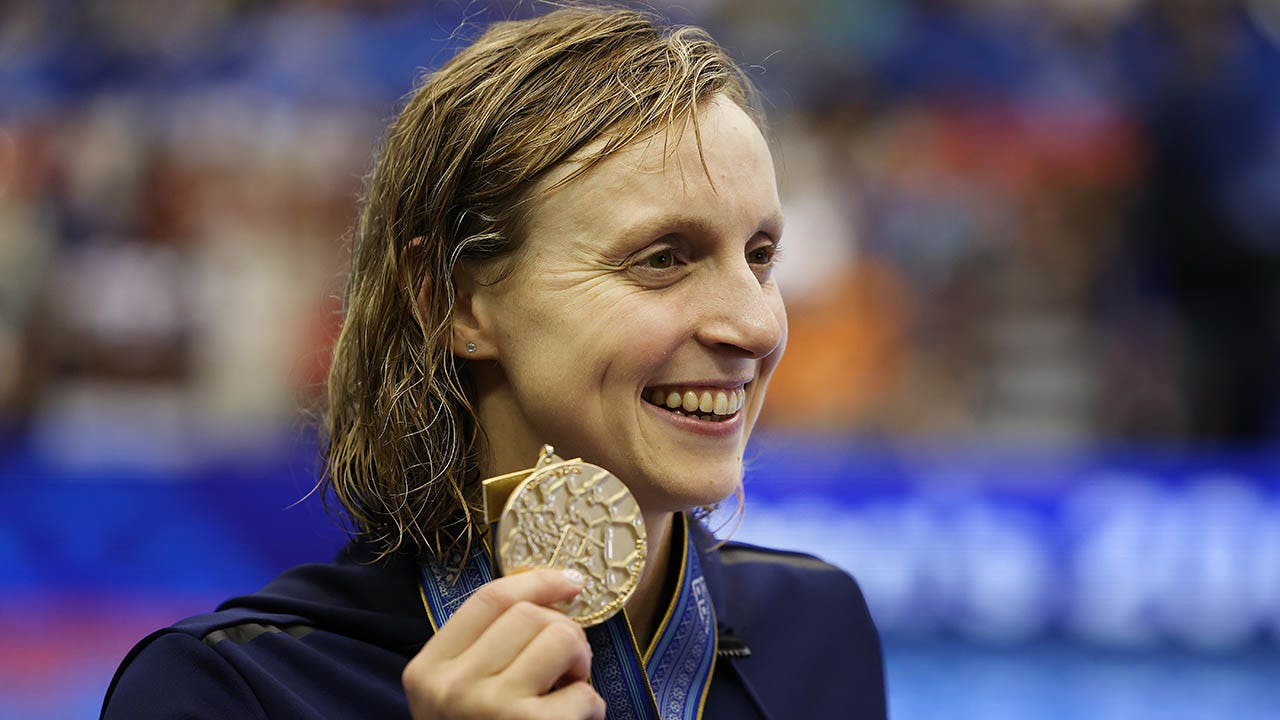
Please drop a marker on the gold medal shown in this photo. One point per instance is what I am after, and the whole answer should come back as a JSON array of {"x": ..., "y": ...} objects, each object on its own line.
[{"x": 569, "y": 514}]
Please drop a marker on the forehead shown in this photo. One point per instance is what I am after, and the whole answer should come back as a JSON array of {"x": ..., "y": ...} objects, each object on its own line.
[{"x": 724, "y": 181}]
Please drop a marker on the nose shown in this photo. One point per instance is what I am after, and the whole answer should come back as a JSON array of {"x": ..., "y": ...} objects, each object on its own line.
[{"x": 743, "y": 315}]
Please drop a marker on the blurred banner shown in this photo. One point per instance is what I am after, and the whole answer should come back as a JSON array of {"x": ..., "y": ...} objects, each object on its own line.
[
  {"x": 998, "y": 577},
  {"x": 1128, "y": 550}
]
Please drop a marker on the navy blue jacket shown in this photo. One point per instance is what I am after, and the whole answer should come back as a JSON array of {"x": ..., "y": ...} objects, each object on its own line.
[{"x": 331, "y": 641}]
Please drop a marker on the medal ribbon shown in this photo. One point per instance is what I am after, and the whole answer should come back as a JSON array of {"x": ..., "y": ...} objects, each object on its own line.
[{"x": 669, "y": 683}]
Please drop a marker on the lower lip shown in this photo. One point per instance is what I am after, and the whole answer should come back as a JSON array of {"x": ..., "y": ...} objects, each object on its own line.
[{"x": 706, "y": 428}]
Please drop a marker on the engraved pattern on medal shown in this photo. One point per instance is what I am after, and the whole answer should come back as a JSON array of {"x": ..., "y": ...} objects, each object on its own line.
[{"x": 580, "y": 517}]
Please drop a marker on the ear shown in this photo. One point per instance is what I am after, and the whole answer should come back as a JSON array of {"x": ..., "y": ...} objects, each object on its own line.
[{"x": 472, "y": 325}]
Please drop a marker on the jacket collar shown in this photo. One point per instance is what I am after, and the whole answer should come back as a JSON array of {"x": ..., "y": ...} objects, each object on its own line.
[
  {"x": 380, "y": 600},
  {"x": 730, "y": 645}
]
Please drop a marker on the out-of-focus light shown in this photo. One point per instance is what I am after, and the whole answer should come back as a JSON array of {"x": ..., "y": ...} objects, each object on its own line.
[
  {"x": 8, "y": 159},
  {"x": 8, "y": 365},
  {"x": 1266, "y": 14}
]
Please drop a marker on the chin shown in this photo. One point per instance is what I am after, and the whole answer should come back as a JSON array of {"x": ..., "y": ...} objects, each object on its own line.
[{"x": 691, "y": 492}]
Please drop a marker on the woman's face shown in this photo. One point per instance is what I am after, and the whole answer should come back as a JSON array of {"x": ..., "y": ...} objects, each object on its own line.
[{"x": 639, "y": 282}]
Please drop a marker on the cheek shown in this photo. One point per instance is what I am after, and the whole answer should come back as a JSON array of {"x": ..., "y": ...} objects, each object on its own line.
[
  {"x": 588, "y": 342},
  {"x": 640, "y": 328},
  {"x": 779, "y": 309},
  {"x": 780, "y": 312}
]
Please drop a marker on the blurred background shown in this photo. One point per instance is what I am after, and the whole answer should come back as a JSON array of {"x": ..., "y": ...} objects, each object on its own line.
[{"x": 1032, "y": 268}]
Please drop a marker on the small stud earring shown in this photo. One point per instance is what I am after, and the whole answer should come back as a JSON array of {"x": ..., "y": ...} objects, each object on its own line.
[{"x": 471, "y": 347}]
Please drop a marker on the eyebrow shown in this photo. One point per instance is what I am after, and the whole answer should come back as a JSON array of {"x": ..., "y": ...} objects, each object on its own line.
[{"x": 656, "y": 226}]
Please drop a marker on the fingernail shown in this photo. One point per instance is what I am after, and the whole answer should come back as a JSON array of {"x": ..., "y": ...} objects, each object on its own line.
[{"x": 574, "y": 576}]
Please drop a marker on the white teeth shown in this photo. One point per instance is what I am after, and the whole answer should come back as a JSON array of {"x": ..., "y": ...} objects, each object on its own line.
[
  {"x": 706, "y": 403},
  {"x": 690, "y": 401},
  {"x": 695, "y": 403}
]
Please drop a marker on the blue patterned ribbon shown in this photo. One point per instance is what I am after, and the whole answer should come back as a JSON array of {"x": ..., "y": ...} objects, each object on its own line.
[
  {"x": 669, "y": 683},
  {"x": 683, "y": 655}
]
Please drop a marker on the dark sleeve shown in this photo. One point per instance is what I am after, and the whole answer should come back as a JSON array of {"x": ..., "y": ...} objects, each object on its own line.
[
  {"x": 815, "y": 649},
  {"x": 871, "y": 702},
  {"x": 174, "y": 676}
]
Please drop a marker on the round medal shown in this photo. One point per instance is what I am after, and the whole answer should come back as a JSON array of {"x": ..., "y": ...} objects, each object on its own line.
[{"x": 579, "y": 516}]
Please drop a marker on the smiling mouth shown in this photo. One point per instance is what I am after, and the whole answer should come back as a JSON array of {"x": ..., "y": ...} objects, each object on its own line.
[{"x": 707, "y": 404}]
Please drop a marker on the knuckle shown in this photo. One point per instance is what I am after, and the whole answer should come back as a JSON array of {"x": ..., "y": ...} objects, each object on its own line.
[
  {"x": 448, "y": 686},
  {"x": 567, "y": 634},
  {"x": 415, "y": 674},
  {"x": 527, "y": 709},
  {"x": 494, "y": 595},
  {"x": 546, "y": 580},
  {"x": 489, "y": 696},
  {"x": 526, "y": 611},
  {"x": 550, "y": 577},
  {"x": 597, "y": 704},
  {"x": 579, "y": 634},
  {"x": 591, "y": 701}
]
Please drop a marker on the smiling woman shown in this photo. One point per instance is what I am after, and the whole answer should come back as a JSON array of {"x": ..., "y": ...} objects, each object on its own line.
[
  {"x": 568, "y": 239},
  {"x": 686, "y": 305}
]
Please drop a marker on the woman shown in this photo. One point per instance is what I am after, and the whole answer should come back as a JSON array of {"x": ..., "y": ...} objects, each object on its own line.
[{"x": 568, "y": 238}]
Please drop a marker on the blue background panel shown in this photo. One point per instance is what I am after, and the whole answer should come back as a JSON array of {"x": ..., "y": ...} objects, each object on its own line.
[{"x": 1006, "y": 584}]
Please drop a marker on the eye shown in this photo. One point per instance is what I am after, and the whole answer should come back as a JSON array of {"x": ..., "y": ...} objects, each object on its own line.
[
  {"x": 660, "y": 260},
  {"x": 763, "y": 254},
  {"x": 660, "y": 267}
]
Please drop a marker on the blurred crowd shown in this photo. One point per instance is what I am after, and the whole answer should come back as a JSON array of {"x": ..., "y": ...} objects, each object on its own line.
[{"x": 1008, "y": 220}]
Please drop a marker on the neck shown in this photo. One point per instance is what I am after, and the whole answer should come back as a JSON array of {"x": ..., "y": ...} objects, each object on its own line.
[{"x": 643, "y": 607}]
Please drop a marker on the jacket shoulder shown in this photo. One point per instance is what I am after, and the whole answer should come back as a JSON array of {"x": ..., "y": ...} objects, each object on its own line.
[
  {"x": 763, "y": 582},
  {"x": 792, "y": 607},
  {"x": 341, "y": 620},
  {"x": 175, "y": 673},
  {"x": 735, "y": 553}
]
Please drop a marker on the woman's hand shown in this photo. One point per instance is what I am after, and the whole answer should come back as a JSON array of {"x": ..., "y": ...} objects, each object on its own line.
[{"x": 505, "y": 654}]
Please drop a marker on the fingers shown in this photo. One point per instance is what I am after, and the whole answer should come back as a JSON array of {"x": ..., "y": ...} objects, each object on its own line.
[
  {"x": 540, "y": 587},
  {"x": 510, "y": 633},
  {"x": 578, "y": 701},
  {"x": 558, "y": 654},
  {"x": 504, "y": 650}
]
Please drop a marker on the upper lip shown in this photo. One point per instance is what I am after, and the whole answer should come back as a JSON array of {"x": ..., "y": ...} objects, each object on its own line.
[{"x": 720, "y": 384}]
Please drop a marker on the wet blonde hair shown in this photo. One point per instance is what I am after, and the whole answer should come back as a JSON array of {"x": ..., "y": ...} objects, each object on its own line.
[{"x": 455, "y": 171}]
